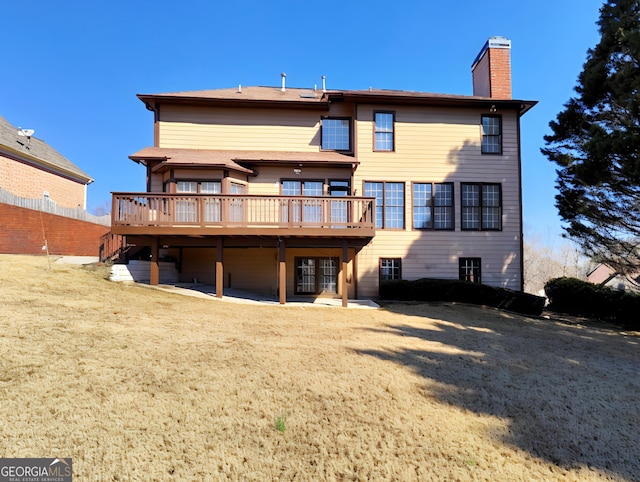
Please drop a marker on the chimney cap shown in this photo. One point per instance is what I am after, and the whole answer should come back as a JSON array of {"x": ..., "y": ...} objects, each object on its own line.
[{"x": 499, "y": 42}]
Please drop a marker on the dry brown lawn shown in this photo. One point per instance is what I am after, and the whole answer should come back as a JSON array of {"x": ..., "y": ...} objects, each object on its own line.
[{"x": 140, "y": 384}]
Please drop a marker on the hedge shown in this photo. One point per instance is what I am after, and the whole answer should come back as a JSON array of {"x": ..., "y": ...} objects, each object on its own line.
[
  {"x": 461, "y": 291},
  {"x": 581, "y": 298}
]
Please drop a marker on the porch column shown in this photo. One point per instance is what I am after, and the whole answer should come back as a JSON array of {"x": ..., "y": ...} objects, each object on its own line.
[
  {"x": 343, "y": 276},
  {"x": 219, "y": 267},
  {"x": 282, "y": 273},
  {"x": 154, "y": 278}
]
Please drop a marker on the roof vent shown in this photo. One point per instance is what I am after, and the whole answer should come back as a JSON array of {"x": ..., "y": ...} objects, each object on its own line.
[
  {"x": 284, "y": 76},
  {"x": 239, "y": 88},
  {"x": 324, "y": 83}
]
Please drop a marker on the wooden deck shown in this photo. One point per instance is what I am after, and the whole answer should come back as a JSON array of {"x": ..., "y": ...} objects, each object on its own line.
[{"x": 242, "y": 215}]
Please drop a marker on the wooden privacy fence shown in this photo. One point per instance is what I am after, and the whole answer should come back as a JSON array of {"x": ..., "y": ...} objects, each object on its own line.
[{"x": 48, "y": 206}]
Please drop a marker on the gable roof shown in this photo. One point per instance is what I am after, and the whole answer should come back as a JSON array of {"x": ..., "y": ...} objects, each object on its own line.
[
  {"x": 38, "y": 153},
  {"x": 256, "y": 96}
]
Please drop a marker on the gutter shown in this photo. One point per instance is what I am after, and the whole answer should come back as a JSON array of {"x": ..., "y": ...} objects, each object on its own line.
[{"x": 53, "y": 168}]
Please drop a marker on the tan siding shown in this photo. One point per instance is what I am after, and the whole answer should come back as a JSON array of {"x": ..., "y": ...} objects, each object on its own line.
[
  {"x": 340, "y": 110},
  {"x": 432, "y": 254},
  {"x": 244, "y": 129},
  {"x": 157, "y": 183},
  {"x": 438, "y": 145},
  {"x": 198, "y": 174},
  {"x": 198, "y": 263},
  {"x": 251, "y": 269}
]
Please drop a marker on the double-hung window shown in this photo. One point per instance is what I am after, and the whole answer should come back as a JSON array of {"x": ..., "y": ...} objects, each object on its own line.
[
  {"x": 383, "y": 131},
  {"x": 389, "y": 203},
  {"x": 481, "y": 206},
  {"x": 336, "y": 134},
  {"x": 432, "y": 205},
  {"x": 491, "y": 126}
]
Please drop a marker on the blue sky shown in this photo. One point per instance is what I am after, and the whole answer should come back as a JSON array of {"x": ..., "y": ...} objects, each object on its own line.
[{"x": 72, "y": 69}]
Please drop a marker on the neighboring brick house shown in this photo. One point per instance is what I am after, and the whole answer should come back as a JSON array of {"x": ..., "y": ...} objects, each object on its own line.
[
  {"x": 30, "y": 168},
  {"x": 43, "y": 199},
  {"x": 328, "y": 192}
]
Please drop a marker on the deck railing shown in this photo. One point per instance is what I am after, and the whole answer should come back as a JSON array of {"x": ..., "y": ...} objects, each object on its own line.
[
  {"x": 112, "y": 246},
  {"x": 242, "y": 211}
]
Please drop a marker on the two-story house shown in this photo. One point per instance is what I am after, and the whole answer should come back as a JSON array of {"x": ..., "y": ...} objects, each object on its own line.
[{"x": 328, "y": 192}]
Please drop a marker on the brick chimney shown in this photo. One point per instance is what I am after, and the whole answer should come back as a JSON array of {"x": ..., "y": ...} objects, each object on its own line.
[{"x": 491, "y": 69}]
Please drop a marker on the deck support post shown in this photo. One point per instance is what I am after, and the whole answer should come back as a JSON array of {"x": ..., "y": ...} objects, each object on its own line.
[
  {"x": 154, "y": 277},
  {"x": 343, "y": 275},
  {"x": 219, "y": 267},
  {"x": 282, "y": 271}
]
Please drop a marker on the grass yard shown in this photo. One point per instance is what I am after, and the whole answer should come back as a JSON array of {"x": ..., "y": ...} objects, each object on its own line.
[{"x": 136, "y": 383}]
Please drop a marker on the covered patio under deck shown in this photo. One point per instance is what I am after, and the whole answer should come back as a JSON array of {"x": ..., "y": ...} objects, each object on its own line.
[{"x": 348, "y": 247}]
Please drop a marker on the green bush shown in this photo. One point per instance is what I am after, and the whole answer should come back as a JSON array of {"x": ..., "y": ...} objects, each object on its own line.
[
  {"x": 581, "y": 298},
  {"x": 461, "y": 291}
]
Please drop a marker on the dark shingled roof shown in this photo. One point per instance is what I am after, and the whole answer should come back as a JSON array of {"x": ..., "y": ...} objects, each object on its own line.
[
  {"x": 250, "y": 96},
  {"x": 38, "y": 152},
  {"x": 317, "y": 99}
]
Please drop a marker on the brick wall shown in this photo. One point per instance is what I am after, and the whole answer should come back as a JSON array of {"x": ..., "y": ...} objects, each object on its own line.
[
  {"x": 29, "y": 181},
  {"x": 21, "y": 232},
  {"x": 500, "y": 73}
]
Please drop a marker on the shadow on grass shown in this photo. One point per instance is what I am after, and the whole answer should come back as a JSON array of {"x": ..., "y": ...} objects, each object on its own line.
[{"x": 569, "y": 393}]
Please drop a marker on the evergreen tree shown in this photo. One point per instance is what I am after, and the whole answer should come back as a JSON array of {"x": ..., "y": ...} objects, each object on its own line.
[{"x": 596, "y": 144}]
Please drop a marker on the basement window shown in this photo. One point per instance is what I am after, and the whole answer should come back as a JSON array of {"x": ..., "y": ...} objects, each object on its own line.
[
  {"x": 469, "y": 269},
  {"x": 390, "y": 269}
]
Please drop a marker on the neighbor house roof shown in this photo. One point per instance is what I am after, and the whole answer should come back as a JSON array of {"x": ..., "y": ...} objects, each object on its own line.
[
  {"x": 236, "y": 160},
  {"x": 37, "y": 152},
  {"x": 317, "y": 99}
]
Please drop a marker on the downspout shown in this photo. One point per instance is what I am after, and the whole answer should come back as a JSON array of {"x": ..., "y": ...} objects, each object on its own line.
[
  {"x": 86, "y": 187},
  {"x": 520, "y": 205}
]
